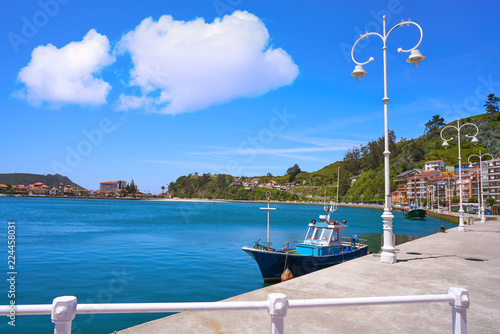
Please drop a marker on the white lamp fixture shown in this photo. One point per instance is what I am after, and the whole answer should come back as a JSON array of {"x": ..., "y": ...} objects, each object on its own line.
[
  {"x": 415, "y": 58},
  {"x": 358, "y": 73}
]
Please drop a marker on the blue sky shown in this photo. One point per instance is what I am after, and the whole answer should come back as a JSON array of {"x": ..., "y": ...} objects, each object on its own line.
[{"x": 152, "y": 90}]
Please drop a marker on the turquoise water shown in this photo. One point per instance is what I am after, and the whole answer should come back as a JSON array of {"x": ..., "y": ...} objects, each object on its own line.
[{"x": 113, "y": 251}]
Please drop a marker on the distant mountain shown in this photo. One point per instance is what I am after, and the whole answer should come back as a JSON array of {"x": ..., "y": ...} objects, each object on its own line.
[{"x": 26, "y": 179}]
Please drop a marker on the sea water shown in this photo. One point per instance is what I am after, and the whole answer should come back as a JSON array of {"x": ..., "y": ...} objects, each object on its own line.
[{"x": 126, "y": 251}]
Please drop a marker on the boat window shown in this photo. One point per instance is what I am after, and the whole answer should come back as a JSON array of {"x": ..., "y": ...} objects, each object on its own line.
[
  {"x": 315, "y": 234},
  {"x": 326, "y": 235},
  {"x": 309, "y": 233},
  {"x": 335, "y": 235}
]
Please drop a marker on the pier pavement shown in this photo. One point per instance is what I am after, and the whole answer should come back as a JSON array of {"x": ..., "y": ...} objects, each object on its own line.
[{"x": 429, "y": 265}]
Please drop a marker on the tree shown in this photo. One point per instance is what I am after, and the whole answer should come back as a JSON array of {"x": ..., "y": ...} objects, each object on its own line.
[
  {"x": 472, "y": 200},
  {"x": 416, "y": 151},
  {"x": 162, "y": 190},
  {"x": 292, "y": 172},
  {"x": 131, "y": 188},
  {"x": 434, "y": 124},
  {"x": 269, "y": 174},
  {"x": 492, "y": 104},
  {"x": 491, "y": 201},
  {"x": 352, "y": 159},
  {"x": 204, "y": 179},
  {"x": 294, "y": 169},
  {"x": 455, "y": 199}
]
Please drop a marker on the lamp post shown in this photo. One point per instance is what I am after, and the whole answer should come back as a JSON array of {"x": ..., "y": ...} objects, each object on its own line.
[
  {"x": 430, "y": 197},
  {"x": 449, "y": 193},
  {"x": 480, "y": 180},
  {"x": 388, "y": 254},
  {"x": 440, "y": 186},
  {"x": 461, "y": 226}
]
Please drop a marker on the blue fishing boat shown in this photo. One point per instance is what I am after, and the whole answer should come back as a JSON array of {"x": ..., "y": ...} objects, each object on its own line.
[{"x": 322, "y": 247}]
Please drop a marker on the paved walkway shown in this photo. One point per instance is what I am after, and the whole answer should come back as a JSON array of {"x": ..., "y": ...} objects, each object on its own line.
[{"x": 428, "y": 265}]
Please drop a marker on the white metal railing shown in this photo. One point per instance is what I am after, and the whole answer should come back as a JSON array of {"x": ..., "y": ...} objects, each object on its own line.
[{"x": 64, "y": 309}]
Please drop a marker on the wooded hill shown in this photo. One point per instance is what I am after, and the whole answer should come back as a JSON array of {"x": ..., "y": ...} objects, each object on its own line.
[
  {"x": 364, "y": 164},
  {"x": 27, "y": 179}
]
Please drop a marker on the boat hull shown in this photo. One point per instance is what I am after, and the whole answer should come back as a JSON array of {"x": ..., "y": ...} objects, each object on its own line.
[
  {"x": 416, "y": 214},
  {"x": 273, "y": 263}
]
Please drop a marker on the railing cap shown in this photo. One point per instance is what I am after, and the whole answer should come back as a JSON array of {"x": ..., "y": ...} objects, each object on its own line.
[
  {"x": 63, "y": 309},
  {"x": 461, "y": 297}
]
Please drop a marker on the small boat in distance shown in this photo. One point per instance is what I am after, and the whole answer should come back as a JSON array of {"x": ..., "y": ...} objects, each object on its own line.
[
  {"x": 413, "y": 212},
  {"x": 321, "y": 247}
]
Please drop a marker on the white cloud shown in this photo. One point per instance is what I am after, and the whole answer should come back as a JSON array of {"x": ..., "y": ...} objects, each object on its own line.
[
  {"x": 187, "y": 66},
  {"x": 67, "y": 75}
]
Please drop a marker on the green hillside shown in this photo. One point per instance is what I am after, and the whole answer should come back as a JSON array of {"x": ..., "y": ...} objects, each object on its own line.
[
  {"x": 26, "y": 179},
  {"x": 410, "y": 154},
  {"x": 361, "y": 170}
]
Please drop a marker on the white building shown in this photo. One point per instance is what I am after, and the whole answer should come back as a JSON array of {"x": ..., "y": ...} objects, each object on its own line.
[{"x": 434, "y": 165}]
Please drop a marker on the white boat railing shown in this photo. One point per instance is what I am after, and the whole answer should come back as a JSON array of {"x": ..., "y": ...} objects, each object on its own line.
[{"x": 64, "y": 309}]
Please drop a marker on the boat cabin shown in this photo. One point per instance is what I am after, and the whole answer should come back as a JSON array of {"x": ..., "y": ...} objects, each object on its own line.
[{"x": 323, "y": 238}]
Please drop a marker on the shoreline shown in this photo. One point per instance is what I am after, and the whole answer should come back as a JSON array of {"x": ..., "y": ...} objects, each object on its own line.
[{"x": 451, "y": 217}]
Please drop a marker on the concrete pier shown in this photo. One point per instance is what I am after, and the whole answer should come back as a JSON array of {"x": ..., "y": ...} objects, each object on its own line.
[{"x": 428, "y": 265}]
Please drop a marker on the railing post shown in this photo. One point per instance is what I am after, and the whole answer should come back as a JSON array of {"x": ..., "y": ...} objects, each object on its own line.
[
  {"x": 63, "y": 313},
  {"x": 278, "y": 306},
  {"x": 459, "y": 309}
]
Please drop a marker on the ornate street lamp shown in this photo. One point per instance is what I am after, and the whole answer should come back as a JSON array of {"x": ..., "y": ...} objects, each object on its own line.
[
  {"x": 388, "y": 254},
  {"x": 461, "y": 226},
  {"x": 480, "y": 180}
]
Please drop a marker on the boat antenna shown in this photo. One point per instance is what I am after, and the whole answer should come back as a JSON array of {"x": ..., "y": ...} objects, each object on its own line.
[
  {"x": 268, "y": 195},
  {"x": 338, "y": 186}
]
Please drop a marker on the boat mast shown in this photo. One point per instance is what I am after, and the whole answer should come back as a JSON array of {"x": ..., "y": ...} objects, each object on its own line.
[{"x": 268, "y": 195}]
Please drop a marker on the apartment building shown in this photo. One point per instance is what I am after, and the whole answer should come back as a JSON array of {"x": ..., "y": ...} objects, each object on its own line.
[
  {"x": 491, "y": 179},
  {"x": 416, "y": 186},
  {"x": 442, "y": 187},
  {"x": 112, "y": 187}
]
